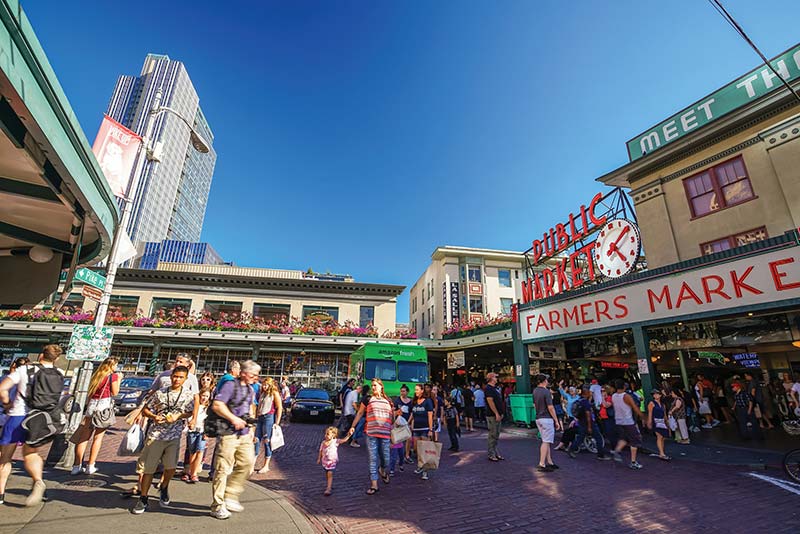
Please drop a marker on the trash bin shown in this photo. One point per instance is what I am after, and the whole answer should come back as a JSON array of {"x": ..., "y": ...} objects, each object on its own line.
[{"x": 522, "y": 411}]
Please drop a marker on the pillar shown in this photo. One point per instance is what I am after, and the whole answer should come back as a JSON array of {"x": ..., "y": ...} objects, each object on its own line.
[
  {"x": 155, "y": 359},
  {"x": 684, "y": 373},
  {"x": 522, "y": 363},
  {"x": 641, "y": 342}
]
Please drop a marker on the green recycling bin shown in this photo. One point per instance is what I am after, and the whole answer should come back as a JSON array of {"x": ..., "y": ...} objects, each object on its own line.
[{"x": 522, "y": 410}]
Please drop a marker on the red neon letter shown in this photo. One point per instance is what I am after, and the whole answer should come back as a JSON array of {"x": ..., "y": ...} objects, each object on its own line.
[
  {"x": 738, "y": 283},
  {"x": 555, "y": 319},
  {"x": 598, "y": 304},
  {"x": 619, "y": 302},
  {"x": 777, "y": 275},
  {"x": 602, "y": 220},
  {"x": 686, "y": 293},
  {"x": 716, "y": 290},
  {"x": 651, "y": 297}
]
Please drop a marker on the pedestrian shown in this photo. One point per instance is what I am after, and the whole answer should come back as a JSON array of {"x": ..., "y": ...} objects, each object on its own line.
[
  {"x": 168, "y": 409},
  {"x": 757, "y": 392},
  {"x": 363, "y": 397},
  {"x": 344, "y": 390},
  {"x": 196, "y": 440},
  {"x": 379, "y": 415},
  {"x": 421, "y": 421},
  {"x": 546, "y": 421},
  {"x": 557, "y": 403},
  {"x": 657, "y": 422},
  {"x": 452, "y": 423},
  {"x": 235, "y": 453},
  {"x": 231, "y": 374},
  {"x": 270, "y": 411},
  {"x": 480, "y": 403},
  {"x": 402, "y": 406},
  {"x": 597, "y": 393},
  {"x": 568, "y": 436},
  {"x": 705, "y": 393},
  {"x": 469, "y": 409},
  {"x": 103, "y": 387},
  {"x": 745, "y": 412},
  {"x": 207, "y": 381},
  {"x": 678, "y": 412},
  {"x": 624, "y": 408},
  {"x": 286, "y": 394},
  {"x": 583, "y": 411},
  {"x": 494, "y": 415},
  {"x": 569, "y": 394},
  {"x": 329, "y": 456},
  {"x": 25, "y": 380},
  {"x": 349, "y": 407},
  {"x": 438, "y": 411},
  {"x": 609, "y": 423},
  {"x": 690, "y": 402}
]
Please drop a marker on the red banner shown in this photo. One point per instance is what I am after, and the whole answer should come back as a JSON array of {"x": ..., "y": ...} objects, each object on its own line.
[{"x": 115, "y": 148}]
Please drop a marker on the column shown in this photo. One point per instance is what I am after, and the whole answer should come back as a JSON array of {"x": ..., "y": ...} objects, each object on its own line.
[
  {"x": 522, "y": 364},
  {"x": 155, "y": 358},
  {"x": 684, "y": 373},
  {"x": 641, "y": 342}
]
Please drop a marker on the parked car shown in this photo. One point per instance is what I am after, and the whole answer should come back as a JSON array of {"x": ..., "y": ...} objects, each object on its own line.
[
  {"x": 130, "y": 393},
  {"x": 310, "y": 404}
]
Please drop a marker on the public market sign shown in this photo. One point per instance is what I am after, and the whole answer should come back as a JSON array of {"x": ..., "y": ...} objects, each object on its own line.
[
  {"x": 755, "y": 84},
  {"x": 760, "y": 279}
]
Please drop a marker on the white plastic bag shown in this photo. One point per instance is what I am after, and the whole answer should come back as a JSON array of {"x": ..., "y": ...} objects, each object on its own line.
[
  {"x": 673, "y": 424},
  {"x": 276, "y": 441},
  {"x": 400, "y": 421},
  {"x": 132, "y": 442}
]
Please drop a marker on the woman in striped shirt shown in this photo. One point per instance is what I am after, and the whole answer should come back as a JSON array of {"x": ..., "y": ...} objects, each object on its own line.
[{"x": 378, "y": 409}]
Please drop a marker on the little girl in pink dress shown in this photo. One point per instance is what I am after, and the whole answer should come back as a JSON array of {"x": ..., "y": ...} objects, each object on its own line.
[{"x": 329, "y": 455}]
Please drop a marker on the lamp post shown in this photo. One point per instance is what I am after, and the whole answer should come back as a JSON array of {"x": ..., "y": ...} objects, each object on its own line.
[{"x": 81, "y": 386}]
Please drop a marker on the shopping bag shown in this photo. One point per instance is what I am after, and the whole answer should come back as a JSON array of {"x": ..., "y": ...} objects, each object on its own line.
[
  {"x": 428, "y": 454},
  {"x": 401, "y": 433},
  {"x": 132, "y": 442},
  {"x": 276, "y": 441},
  {"x": 673, "y": 424}
]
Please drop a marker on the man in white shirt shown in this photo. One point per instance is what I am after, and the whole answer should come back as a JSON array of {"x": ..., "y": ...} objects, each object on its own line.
[
  {"x": 597, "y": 393},
  {"x": 349, "y": 410},
  {"x": 13, "y": 432},
  {"x": 480, "y": 404}
]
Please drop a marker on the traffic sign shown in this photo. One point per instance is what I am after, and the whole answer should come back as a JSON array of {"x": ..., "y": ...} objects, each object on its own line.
[
  {"x": 90, "y": 343},
  {"x": 92, "y": 293},
  {"x": 88, "y": 276}
]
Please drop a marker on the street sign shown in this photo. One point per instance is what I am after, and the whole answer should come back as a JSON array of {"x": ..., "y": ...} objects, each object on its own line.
[
  {"x": 88, "y": 276},
  {"x": 92, "y": 293},
  {"x": 90, "y": 343}
]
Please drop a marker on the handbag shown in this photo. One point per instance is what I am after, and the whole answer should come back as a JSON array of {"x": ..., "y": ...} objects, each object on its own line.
[
  {"x": 400, "y": 433},
  {"x": 132, "y": 442},
  {"x": 106, "y": 417},
  {"x": 276, "y": 441}
]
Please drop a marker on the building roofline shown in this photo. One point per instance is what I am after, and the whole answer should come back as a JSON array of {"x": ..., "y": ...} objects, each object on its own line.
[{"x": 450, "y": 250}]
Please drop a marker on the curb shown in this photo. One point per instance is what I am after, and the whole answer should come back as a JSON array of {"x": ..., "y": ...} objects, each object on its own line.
[{"x": 298, "y": 518}]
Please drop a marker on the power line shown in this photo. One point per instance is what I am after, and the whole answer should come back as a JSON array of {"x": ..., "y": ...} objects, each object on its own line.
[{"x": 717, "y": 4}]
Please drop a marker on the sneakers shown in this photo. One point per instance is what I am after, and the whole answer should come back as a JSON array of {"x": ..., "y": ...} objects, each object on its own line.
[
  {"x": 355, "y": 444},
  {"x": 635, "y": 465},
  {"x": 391, "y": 473},
  {"x": 418, "y": 470},
  {"x": 164, "y": 498},
  {"x": 714, "y": 423},
  {"x": 2, "y": 498},
  {"x": 617, "y": 456},
  {"x": 409, "y": 461},
  {"x": 221, "y": 513},
  {"x": 91, "y": 469},
  {"x": 604, "y": 457},
  {"x": 572, "y": 455},
  {"x": 695, "y": 429},
  {"x": 425, "y": 475},
  {"x": 233, "y": 506},
  {"x": 140, "y": 507},
  {"x": 76, "y": 470},
  {"x": 37, "y": 494},
  {"x": 401, "y": 468},
  {"x": 707, "y": 426}
]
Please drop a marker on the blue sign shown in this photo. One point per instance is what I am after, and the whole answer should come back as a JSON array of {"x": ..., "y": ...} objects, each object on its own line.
[{"x": 747, "y": 359}]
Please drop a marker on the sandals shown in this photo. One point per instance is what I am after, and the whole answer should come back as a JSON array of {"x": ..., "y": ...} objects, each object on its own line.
[
  {"x": 500, "y": 457},
  {"x": 186, "y": 477},
  {"x": 494, "y": 459},
  {"x": 372, "y": 491},
  {"x": 665, "y": 458},
  {"x": 327, "y": 493},
  {"x": 384, "y": 476}
]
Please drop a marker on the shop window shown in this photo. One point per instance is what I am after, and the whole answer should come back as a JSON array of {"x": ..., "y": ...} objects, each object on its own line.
[
  {"x": 126, "y": 305},
  {"x": 475, "y": 305},
  {"x": 74, "y": 302},
  {"x": 386, "y": 370},
  {"x": 505, "y": 305},
  {"x": 366, "y": 316},
  {"x": 719, "y": 187},
  {"x": 504, "y": 277},
  {"x": 276, "y": 313},
  {"x": 169, "y": 306},
  {"x": 321, "y": 312},
  {"x": 736, "y": 240},
  {"x": 474, "y": 273},
  {"x": 219, "y": 307}
]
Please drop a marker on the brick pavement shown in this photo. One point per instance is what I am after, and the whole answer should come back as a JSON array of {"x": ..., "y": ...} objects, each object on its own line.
[{"x": 471, "y": 495}]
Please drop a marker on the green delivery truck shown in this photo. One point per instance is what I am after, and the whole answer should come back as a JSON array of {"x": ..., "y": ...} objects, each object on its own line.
[{"x": 394, "y": 364}]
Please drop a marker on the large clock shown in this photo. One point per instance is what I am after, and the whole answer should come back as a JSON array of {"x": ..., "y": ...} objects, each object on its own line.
[{"x": 617, "y": 248}]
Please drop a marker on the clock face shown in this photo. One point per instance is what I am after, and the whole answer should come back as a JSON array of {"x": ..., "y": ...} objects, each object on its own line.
[{"x": 617, "y": 248}]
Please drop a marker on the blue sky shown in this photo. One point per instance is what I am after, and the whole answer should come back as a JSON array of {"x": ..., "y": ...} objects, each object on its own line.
[{"x": 356, "y": 137}]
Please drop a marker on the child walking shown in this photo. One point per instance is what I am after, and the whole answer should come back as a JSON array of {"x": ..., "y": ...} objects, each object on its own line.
[
  {"x": 329, "y": 455},
  {"x": 196, "y": 440},
  {"x": 452, "y": 421}
]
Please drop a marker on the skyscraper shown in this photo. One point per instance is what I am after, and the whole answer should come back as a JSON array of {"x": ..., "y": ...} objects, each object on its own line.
[{"x": 171, "y": 199}]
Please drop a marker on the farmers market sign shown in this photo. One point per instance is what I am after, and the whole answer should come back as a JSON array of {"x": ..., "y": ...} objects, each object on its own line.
[{"x": 755, "y": 84}]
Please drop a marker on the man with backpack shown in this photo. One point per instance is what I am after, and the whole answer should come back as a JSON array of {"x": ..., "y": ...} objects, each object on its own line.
[{"x": 34, "y": 420}]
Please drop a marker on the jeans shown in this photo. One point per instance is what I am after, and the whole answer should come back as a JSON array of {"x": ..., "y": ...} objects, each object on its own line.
[
  {"x": 359, "y": 432},
  {"x": 379, "y": 451},
  {"x": 396, "y": 457},
  {"x": 583, "y": 432},
  {"x": 264, "y": 433},
  {"x": 610, "y": 431},
  {"x": 494, "y": 434},
  {"x": 234, "y": 460},
  {"x": 452, "y": 431}
]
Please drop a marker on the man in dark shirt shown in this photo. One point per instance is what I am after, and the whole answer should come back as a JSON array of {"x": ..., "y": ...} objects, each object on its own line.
[
  {"x": 495, "y": 410},
  {"x": 587, "y": 425},
  {"x": 546, "y": 421}
]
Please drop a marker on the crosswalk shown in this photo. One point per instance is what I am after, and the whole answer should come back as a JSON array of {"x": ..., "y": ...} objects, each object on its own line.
[{"x": 781, "y": 483}]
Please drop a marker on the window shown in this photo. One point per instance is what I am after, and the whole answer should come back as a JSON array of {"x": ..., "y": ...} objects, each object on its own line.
[
  {"x": 505, "y": 304},
  {"x": 736, "y": 240},
  {"x": 218, "y": 308},
  {"x": 504, "y": 276},
  {"x": 430, "y": 316},
  {"x": 276, "y": 313},
  {"x": 169, "y": 306},
  {"x": 423, "y": 320},
  {"x": 321, "y": 312},
  {"x": 126, "y": 305},
  {"x": 474, "y": 273},
  {"x": 475, "y": 305},
  {"x": 423, "y": 295},
  {"x": 366, "y": 316},
  {"x": 719, "y": 187},
  {"x": 414, "y": 372},
  {"x": 74, "y": 301},
  {"x": 384, "y": 369}
]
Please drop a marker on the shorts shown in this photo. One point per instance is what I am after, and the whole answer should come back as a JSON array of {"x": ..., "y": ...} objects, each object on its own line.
[
  {"x": 13, "y": 432},
  {"x": 547, "y": 429},
  {"x": 157, "y": 451},
  {"x": 704, "y": 408},
  {"x": 630, "y": 434},
  {"x": 195, "y": 442},
  {"x": 420, "y": 433},
  {"x": 469, "y": 411}
]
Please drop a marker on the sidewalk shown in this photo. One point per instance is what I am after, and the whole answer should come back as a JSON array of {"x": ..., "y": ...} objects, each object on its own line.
[{"x": 84, "y": 504}]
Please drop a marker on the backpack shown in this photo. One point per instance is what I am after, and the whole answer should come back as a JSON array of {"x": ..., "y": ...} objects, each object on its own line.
[
  {"x": 578, "y": 410},
  {"x": 217, "y": 426},
  {"x": 456, "y": 397},
  {"x": 46, "y": 416}
]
